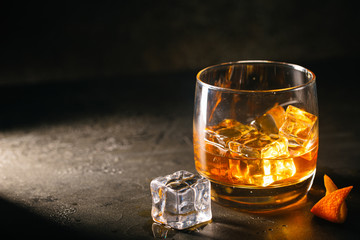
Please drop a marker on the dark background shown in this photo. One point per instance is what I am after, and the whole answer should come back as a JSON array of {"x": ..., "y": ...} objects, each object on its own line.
[
  {"x": 66, "y": 59},
  {"x": 118, "y": 78},
  {"x": 68, "y": 40}
]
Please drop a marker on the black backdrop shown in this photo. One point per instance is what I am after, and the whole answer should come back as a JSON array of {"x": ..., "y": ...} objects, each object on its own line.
[{"x": 69, "y": 40}]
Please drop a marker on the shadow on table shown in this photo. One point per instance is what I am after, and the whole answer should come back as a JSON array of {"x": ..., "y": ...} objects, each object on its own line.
[{"x": 18, "y": 223}]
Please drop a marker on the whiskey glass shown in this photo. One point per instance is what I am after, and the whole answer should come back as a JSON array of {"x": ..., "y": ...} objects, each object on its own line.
[{"x": 256, "y": 132}]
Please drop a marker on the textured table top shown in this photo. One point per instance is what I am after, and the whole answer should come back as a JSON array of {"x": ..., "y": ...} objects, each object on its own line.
[{"x": 77, "y": 158}]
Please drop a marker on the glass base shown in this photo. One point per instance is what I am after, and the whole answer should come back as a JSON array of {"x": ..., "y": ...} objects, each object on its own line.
[{"x": 265, "y": 199}]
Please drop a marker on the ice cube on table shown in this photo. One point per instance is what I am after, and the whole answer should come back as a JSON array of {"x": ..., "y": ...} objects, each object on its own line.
[
  {"x": 181, "y": 200},
  {"x": 161, "y": 231},
  {"x": 271, "y": 121},
  {"x": 299, "y": 127},
  {"x": 259, "y": 145}
]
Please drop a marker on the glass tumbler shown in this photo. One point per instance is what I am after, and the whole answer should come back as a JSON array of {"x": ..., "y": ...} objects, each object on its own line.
[{"x": 256, "y": 132}]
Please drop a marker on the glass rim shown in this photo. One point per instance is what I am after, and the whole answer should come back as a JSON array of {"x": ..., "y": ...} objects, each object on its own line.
[{"x": 297, "y": 67}]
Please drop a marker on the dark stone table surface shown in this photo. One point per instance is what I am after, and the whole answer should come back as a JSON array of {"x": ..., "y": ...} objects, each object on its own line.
[{"x": 77, "y": 158}]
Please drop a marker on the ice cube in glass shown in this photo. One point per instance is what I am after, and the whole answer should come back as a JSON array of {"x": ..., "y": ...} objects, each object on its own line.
[
  {"x": 181, "y": 200},
  {"x": 225, "y": 131},
  {"x": 258, "y": 145},
  {"x": 261, "y": 172},
  {"x": 271, "y": 121},
  {"x": 299, "y": 127}
]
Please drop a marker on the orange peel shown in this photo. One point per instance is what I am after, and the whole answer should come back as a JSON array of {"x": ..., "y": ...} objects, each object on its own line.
[
  {"x": 330, "y": 206},
  {"x": 329, "y": 185}
]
